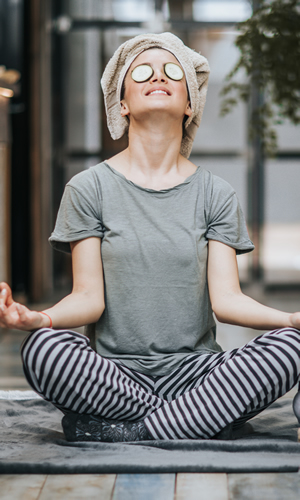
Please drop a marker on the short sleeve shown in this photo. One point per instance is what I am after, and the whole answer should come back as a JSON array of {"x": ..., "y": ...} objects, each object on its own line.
[
  {"x": 78, "y": 218},
  {"x": 226, "y": 222}
]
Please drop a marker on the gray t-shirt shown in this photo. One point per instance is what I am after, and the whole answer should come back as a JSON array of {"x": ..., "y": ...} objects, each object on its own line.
[{"x": 154, "y": 253}]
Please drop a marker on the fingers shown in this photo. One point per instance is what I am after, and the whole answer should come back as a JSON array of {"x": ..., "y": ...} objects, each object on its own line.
[
  {"x": 5, "y": 294},
  {"x": 8, "y": 317},
  {"x": 22, "y": 312},
  {"x": 19, "y": 317},
  {"x": 2, "y": 310},
  {"x": 3, "y": 297},
  {"x": 14, "y": 315}
]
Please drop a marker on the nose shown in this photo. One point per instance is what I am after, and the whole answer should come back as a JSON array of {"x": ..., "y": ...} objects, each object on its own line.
[{"x": 158, "y": 76}]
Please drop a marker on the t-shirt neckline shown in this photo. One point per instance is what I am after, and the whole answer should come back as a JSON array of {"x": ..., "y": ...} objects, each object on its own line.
[{"x": 149, "y": 190}]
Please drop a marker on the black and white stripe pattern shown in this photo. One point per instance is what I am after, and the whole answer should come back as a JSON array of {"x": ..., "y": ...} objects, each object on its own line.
[
  {"x": 198, "y": 399},
  {"x": 62, "y": 367}
]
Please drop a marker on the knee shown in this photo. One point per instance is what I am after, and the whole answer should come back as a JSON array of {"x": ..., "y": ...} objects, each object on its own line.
[
  {"x": 36, "y": 343},
  {"x": 288, "y": 333},
  {"x": 286, "y": 341},
  {"x": 39, "y": 346}
]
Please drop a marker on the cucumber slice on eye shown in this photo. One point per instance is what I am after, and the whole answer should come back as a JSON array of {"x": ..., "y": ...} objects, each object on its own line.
[
  {"x": 142, "y": 73},
  {"x": 174, "y": 71}
]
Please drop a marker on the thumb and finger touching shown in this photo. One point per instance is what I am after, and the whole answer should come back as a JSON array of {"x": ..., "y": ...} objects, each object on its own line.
[
  {"x": 6, "y": 294},
  {"x": 14, "y": 315}
]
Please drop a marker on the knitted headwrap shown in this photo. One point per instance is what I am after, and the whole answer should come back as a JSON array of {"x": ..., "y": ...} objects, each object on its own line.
[{"x": 196, "y": 71}]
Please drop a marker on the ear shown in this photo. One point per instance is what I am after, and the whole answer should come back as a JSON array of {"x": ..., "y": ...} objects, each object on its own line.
[
  {"x": 124, "y": 108},
  {"x": 188, "y": 109}
]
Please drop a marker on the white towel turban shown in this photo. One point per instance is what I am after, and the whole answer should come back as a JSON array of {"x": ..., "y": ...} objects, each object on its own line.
[{"x": 196, "y": 70}]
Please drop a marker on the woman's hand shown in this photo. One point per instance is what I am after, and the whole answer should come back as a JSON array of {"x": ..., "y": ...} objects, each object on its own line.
[
  {"x": 295, "y": 320},
  {"x": 81, "y": 307},
  {"x": 16, "y": 316}
]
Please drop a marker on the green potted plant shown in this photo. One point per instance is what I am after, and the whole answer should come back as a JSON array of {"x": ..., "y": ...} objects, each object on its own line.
[{"x": 269, "y": 44}]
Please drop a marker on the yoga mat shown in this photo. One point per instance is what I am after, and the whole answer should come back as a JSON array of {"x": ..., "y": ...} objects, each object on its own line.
[{"x": 32, "y": 441}]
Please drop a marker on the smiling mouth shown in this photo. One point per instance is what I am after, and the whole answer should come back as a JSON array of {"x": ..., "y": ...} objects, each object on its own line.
[{"x": 158, "y": 92}]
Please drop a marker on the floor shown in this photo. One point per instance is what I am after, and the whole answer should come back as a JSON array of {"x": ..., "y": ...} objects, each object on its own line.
[
  {"x": 151, "y": 486},
  {"x": 264, "y": 486}
]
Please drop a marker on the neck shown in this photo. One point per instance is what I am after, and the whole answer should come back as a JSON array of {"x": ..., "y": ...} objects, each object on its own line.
[
  {"x": 154, "y": 148},
  {"x": 153, "y": 157}
]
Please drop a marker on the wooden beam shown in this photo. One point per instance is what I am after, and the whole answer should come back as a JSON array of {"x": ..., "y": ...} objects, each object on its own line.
[
  {"x": 145, "y": 486},
  {"x": 196, "y": 486},
  {"x": 21, "y": 486},
  {"x": 5, "y": 261},
  {"x": 181, "y": 10},
  {"x": 275, "y": 486},
  {"x": 41, "y": 283},
  {"x": 78, "y": 486}
]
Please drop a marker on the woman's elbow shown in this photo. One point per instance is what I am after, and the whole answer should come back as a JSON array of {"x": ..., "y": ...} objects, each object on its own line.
[
  {"x": 227, "y": 308},
  {"x": 98, "y": 310},
  {"x": 94, "y": 304},
  {"x": 222, "y": 307},
  {"x": 219, "y": 313},
  {"x": 221, "y": 318}
]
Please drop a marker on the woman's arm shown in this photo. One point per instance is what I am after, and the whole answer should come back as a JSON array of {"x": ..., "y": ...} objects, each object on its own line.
[
  {"x": 229, "y": 304},
  {"x": 83, "y": 306}
]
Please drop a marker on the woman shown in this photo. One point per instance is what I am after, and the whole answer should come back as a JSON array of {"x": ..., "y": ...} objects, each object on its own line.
[{"x": 154, "y": 242}]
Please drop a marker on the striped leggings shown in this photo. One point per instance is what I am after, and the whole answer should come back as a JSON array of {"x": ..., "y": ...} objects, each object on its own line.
[{"x": 197, "y": 400}]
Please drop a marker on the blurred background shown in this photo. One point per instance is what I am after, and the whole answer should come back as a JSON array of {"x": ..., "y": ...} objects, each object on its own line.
[{"x": 53, "y": 125}]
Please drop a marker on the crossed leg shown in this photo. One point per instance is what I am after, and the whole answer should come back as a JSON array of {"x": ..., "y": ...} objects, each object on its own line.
[
  {"x": 197, "y": 400},
  {"x": 232, "y": 386},
  {"x": 61, "y": 366}
]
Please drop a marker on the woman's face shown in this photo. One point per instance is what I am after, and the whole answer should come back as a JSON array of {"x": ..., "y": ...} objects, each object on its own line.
[{"x": 159, "y": 93}]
